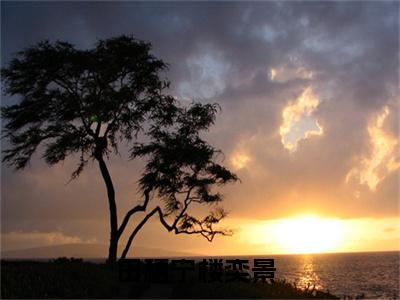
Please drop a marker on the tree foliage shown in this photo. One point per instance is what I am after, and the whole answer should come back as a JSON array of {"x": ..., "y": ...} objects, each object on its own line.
[
  {"x": 181, "y": 170},
  {"x": 71, "y": 98},
  {"x": 87, "y": 102}
]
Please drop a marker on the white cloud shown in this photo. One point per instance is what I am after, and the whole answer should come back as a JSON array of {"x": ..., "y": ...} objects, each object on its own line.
[
  {"x": 297, "y": 121},
  {"x": 22, "y": 240},
  {"x": 208, "y": 72}
]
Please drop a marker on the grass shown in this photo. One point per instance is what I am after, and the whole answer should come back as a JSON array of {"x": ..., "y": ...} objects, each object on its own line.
[{"x": 74, "y": 278}]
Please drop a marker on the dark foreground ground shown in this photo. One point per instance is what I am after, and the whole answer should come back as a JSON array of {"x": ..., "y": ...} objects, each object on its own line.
[{"x": 76, "y": 279}]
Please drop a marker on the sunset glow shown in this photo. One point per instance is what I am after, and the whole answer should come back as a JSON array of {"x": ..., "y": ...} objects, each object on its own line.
[
  {"x": 200, "y": 149},
  {"x": 312, "y": 233},
  {"x": 308, "y": 234},
  {"x": 305, "y": 118}
]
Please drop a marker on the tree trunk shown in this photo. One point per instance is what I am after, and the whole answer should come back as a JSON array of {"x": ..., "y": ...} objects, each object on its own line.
[{"x": 112, "y": 252}]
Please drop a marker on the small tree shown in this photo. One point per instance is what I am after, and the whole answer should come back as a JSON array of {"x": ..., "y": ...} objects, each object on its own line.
[{"x": 87, "y": 101}]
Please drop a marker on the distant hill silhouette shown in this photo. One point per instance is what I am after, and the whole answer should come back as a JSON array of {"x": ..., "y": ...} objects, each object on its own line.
[{"x": 86, "y": 251}]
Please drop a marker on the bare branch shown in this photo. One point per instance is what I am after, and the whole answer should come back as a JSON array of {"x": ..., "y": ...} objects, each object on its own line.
[
  {"x": 185, "y": 207},
  {"x": 204, "y": 227},
  {"x": 136, "y": 230},
  {"x": 134, "y": 210}
]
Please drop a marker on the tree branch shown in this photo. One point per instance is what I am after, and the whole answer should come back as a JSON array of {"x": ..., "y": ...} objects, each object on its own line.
[
  {"x": 186, "y": 205},
  {"x": 135, "y": 232},
  {"x": 98, "y": 127},
  {"x": 134, "y": 210},
  {"x": 208, "y": 232}
]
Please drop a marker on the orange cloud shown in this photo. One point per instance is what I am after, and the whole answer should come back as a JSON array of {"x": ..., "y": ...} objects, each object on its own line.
[
  {"x": 239, "y": 160},
  {"x": 372, "y": 169}
]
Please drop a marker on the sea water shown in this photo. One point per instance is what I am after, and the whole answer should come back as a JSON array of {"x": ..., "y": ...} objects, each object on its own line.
[{"x": 374, "y": 274}]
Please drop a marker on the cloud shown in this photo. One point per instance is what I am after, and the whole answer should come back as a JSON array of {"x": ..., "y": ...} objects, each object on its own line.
[
  {"x": 239, "y": 160},
  {"x": 297, "y": 121},
  {"x": 295, "y": 68},
  {"x": 389, "y": 229},
  {"x": 207, "y": 77},
  {"x": 373, "y": 168},
  {"x": 20, "y": 240}
]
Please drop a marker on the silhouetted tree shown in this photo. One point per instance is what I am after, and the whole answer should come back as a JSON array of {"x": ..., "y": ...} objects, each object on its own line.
[{"x": 87, "y": 101}]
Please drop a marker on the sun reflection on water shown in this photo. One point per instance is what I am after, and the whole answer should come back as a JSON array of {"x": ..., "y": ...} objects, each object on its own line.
[{"x": 308, "y": 277}]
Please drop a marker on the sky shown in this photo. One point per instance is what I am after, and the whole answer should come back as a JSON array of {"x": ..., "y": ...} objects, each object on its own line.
[{"x": 309, "y": 93}]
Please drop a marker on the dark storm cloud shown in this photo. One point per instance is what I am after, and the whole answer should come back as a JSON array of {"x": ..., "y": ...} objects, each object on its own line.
[{"x": 224, "y": 52}]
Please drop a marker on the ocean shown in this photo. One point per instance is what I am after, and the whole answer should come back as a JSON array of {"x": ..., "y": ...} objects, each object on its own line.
[{"x": 374, "y": 274}]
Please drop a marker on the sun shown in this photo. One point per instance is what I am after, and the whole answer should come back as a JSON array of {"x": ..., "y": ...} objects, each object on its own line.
[{"x": 308, "y": 234}]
